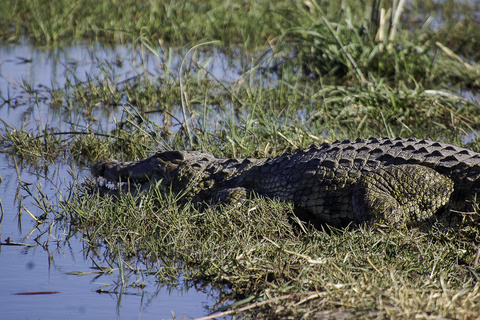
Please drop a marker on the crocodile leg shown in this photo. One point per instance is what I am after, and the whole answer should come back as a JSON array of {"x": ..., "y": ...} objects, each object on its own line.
[
  {"x": 230, "y": 196},
  {"x": 401, "y": 195}
]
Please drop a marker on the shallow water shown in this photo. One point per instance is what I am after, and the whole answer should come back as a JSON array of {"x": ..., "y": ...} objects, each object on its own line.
[{"x": 35, "y": 281}]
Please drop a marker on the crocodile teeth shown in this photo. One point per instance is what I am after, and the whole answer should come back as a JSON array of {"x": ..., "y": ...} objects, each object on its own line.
[{"x": 120, "y": 185}]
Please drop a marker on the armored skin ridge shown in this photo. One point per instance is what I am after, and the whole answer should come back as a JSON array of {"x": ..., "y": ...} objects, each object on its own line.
[{"x": 401, "y": 182}]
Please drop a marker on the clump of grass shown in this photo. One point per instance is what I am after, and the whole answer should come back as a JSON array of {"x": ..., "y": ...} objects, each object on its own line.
[
  {"x": 367, "y": 45},
  {"x": 42, "y": 147},
  {"x": 45, "y": 145},
  {"x": 455, "y": 23}
]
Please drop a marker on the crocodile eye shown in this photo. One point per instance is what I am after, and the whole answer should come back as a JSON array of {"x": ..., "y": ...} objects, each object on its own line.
[
  {"x": 196, "y": 165},
  {"x": 99, "y": 168},
  {"x": 171, "y": 155}
]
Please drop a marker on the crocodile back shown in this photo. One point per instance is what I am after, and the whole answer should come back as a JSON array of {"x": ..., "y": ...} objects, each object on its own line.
[{"x": 460, "y": 164}]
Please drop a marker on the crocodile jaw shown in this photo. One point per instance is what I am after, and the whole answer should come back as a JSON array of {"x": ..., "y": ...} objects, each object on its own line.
[{"x": 137, "y": 176}]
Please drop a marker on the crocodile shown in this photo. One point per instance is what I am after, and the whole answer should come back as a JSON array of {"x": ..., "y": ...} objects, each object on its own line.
[{"x": 398, "y": 182}]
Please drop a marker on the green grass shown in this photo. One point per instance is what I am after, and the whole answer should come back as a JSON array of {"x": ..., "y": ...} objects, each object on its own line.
[
  {"x": 248, "y": 23},
  {"x": 370, "y": 52},
  {"x": 263, "y": 253},
  {"x": 326, "y": 75},
  {"x": 343, "y": 81},
  {"x": 169, "y": 22},
  {"x": 262, "y": 117}
]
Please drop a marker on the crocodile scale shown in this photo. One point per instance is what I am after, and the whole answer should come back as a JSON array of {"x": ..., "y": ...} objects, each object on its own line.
[{"x": 392, "y": 181}]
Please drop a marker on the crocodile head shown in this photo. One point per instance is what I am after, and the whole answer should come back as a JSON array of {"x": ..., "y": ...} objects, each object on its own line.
[{"x": 114, "y": 176}]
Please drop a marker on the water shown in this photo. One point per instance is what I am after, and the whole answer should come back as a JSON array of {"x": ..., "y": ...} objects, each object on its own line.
[{"x": 36, "y": 282}]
